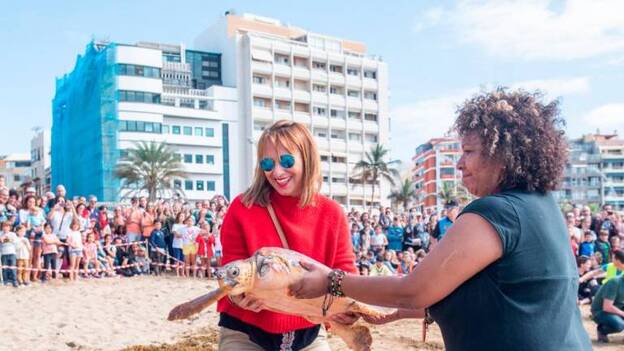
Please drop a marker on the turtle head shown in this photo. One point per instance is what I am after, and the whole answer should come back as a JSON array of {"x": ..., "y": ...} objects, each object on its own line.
[{"x": 239, "y": 275}]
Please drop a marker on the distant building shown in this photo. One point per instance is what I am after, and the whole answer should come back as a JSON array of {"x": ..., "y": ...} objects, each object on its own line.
[
  {"x": 118, "y": 95},
  {"x": 435, "y": 167},
  {"x": 594, "y": 172},
  {"x": 16, "y": 169},
  {"x": 332, "y": 85},
  {"x": 40, "y": 157}
]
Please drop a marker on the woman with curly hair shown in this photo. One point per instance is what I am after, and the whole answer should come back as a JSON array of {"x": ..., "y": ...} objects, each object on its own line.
[{"x": 482, "y": 282}]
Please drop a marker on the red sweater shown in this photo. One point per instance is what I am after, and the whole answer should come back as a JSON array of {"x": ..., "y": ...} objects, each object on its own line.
[{"x": 319, "y": 231}]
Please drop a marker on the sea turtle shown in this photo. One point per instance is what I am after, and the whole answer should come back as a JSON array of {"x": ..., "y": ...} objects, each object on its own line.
[{"x": 267, "y": 275}]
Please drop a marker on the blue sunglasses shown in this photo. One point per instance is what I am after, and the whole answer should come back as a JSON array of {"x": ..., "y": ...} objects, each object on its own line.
[{"x": 286, "y": 161}]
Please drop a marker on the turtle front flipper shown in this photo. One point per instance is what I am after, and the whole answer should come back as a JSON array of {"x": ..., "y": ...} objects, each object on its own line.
[{"x": 199, "y": 304}]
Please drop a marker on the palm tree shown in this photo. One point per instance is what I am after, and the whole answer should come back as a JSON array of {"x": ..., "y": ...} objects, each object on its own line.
[
  {"x": 151, "y": 166},
  {"x": 448, "y": 192},
  {"x": 374, "y": 166},
  {"x": 404, "y": 193}
]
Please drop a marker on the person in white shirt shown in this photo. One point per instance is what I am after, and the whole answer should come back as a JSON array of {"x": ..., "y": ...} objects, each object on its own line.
[
  {"x": 22, "y": 254},
  {"x": 74, "y": 240},
  {"x": 7, "y": 250}
]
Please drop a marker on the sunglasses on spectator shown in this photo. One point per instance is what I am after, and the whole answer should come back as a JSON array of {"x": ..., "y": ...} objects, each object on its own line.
[{"x": 286, "y": 161}]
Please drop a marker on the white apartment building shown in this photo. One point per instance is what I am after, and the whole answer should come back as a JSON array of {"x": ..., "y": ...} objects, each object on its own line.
[
  {"x": 146, "y": 92},
  {"x": 40, "y": 157},
  {"x": 15, "y": 168},
  {"x": 329, "y": 84}
]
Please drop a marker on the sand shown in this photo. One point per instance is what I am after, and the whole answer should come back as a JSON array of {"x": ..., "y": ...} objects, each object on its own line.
[{"x": 130, "y": 313}]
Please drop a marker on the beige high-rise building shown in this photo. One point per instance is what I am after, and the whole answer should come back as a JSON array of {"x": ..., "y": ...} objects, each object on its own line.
[{"x": 329, "y": 84}]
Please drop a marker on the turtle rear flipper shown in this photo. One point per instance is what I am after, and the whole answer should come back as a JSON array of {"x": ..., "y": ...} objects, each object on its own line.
[{"x": 357, "y": 337}]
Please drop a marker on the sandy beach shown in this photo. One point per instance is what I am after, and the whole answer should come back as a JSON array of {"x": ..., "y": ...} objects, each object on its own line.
[{"x": 130, "y": 313}]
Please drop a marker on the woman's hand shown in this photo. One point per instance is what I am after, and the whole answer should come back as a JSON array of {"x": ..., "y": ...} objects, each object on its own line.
[
  {"x": 313, "y": 284},
  {"x": 248, "y": 302}
]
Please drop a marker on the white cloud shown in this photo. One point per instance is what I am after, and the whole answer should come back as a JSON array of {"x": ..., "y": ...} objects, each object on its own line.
[
  {"x": 415, "y": 123},
  {"x": 607, "y": 117},
  {"x": 532, "y": 29},
  {"x": 430, "y": 18}
]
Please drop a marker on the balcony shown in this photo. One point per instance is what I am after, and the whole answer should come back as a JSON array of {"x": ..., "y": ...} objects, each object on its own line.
[
  {"x": 301, "y": 95},
  {"x": 283, "y": 70},
  {"x": 261, "y": 67},
  {"x": 370, "y": 83},
  {"x": 264, "y": 90},
  {"x": 282, "y": 92},
  {"x": 337, "y": 100},
  {"x": 262, "y": 113},
  {"x": 301, "y": 72}
]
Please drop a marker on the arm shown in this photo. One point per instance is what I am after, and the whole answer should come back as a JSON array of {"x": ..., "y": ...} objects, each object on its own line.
[
  {"x": 471, "y": 244},
  {"x": 609, "y": 307}
]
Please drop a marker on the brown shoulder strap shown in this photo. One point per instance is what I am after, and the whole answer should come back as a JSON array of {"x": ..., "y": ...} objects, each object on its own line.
[{"x": 278, "y": 227}]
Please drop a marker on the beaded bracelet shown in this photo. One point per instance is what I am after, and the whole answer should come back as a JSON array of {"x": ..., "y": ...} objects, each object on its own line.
[{"x": 335, "y": 282}]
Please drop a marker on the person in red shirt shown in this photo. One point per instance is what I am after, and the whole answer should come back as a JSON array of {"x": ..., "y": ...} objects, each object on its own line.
[
  {"x": 287, "y": 176},
  {"x": 205, "y": 241}
]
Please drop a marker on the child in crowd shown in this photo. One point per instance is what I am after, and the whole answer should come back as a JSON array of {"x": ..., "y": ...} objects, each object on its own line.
[
  {"x": 189, "y": 247},
  {"x": 218, "y": 249},
  {"x": 74, "y": 240},
  {"x": 587, "y": 247},
  {"x": 603, "y": 246},
  {"x": 90, "y": 257},
  {"x": 50, "y": 252},
  {"x": 8, "y": 258},
  {"x": 205, "y": 242},
  {"x": 23, "y": 253},
  {"x": 158, "y": 248}
]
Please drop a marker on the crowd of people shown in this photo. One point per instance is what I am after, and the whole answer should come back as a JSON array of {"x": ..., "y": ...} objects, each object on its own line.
[{"x": 51, "y": 237}]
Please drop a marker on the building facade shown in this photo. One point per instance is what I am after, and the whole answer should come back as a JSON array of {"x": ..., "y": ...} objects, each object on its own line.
[
  {"x": 435, "y": 169},
  {"x": 16, "y": 170},
  {"x": 119, "y": 95},
  {"x": 594, "y": 172},
  {"x": 40, "y": 157},
  {"x": 329, "y": 84}
]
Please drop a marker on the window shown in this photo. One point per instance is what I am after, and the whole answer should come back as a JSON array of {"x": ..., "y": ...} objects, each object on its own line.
[
  {"x": 205, "y": 105},
  {"x": 177, "y": 157},
  {"x": 210, "y": 185},
  {"x": 319, "y": 65},
  {"x": 187, "y": 131},
  {"x": 188, "y": 158},
  {"x": 188, "y": 185},
  {"x": 259, "y": 102},
  {"x": 149, "y": 127},
  {"x": 282, "y": 59},
  {"x": 140, "y": 126},
  {"x": 132, "y": 126},
  {"x": 324, "y": 158},
  {"x": 199, "y": 185},
  {"x": 337, "y": 113},
  {"x": 188, "y": 103},
  {"x": 353, "y": 93},
  {"x": 210, "y": 132},
  {"x": 370, "y": 117},
  {"x": 319, "y": 111},
  {"x": 138, "y": 96},
  {"x": 175, "y": 129},
  {"x": 177, "y": 184},
  {"x": 321, "y": 133},
  {"x": 199, "y": 159},
  {"x": 123, "y": 125},
  {"x": 338, "y": 134},
  {"x": 370, "y": 74},
  {"x": 336, "y": 90},
  {"x": 355, "y": 115},
  {"x": 319, "y": 88},
  {"x": 335, "y": 68},
  {"x": 355, "y": 137},
  {"x": 210, "y": 159},
  {"x": 259, "y": 80},
  {"x": 136, "y": 70},
  {"x": 352, "y": 71},
  {"x": 199, "y": 131},
  {"x": 370, "y": 95},
  {"x": 370, "y": 138},
  {"x": 165, "y": 129},
  {"x": 282, "y": 83}
]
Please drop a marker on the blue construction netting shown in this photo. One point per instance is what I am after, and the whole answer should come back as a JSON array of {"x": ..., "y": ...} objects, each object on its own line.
[{"x": 85, "y": 124}]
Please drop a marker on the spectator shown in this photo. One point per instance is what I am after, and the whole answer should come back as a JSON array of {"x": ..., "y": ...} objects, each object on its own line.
[
  {"x": 379, "y": 241},
  {"x": 395, "y": 235},
  {"x": 608, "y": 308},
  {"x": 205, "y": 243},
  {"x": 588, "y": 286},
  {"x": 587, "y": 247},
  {"x": 8, "y": 240},
  {"x": 158, "y": 248},
  {"x": 380, "y": 269},
  {"x": 50, "y": 253},
  {"x": 442, "y": 226},
  {"x": 23, "y": 253},
  {"x": 615, "y": 268},
  {"x": 74, "y": 240},
  {"x": 603, "y": 246}
]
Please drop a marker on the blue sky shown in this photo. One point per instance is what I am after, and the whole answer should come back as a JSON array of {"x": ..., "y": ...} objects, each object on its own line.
[{"x": 439, "y": 52}]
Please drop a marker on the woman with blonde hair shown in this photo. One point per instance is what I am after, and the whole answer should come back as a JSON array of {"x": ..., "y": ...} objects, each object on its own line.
[{"x": 287, "y": 180}]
